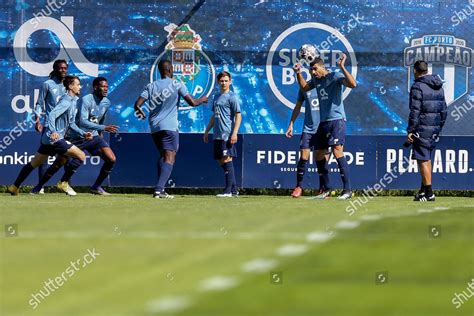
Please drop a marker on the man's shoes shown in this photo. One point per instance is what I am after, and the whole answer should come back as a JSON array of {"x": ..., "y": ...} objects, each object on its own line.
[
  {"x": 99, "y": 191},
  {"x": 224, "y": 195},
  {"x": 66, "y": 188},
  {"x": 162, "y": 195},
  {"x": 323, "y": 195},
  {"x": 13, "y": 190},
  {"x": 424, "y": 198},
  {"x": 297, "y": 192},
  {"x": 345, "y": 195}
]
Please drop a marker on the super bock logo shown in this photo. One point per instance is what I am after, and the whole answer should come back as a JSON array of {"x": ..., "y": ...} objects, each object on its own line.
[
  {"x": 190, "y": 64},
  {"x": 447, "y": 56}
]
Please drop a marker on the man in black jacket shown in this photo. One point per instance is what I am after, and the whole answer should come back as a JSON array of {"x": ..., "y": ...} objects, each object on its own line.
[{"x": 428, "y": 113}]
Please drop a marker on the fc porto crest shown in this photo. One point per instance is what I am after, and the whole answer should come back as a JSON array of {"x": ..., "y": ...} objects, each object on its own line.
[
  {"x": 190, "y": 64},
  {"x": 447, "y": 56}
]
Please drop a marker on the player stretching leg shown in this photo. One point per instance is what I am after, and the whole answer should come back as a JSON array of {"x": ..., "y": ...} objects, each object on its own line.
[
  {"x": 52, "y": 141},
  {"x": 226, "y": 122},
  {"x": 163, "y": 100},
  {"x": 50, "y": 92},
  {"x": 92, "y": 112},
  {"x": 332, "y": 128}
]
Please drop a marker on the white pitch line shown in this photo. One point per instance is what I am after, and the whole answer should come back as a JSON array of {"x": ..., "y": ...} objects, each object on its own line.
[
  {"x": 319, "y": 236},
  {"x": 425, "y": 210},
  {"x": 168, "y": 304},
  {"x": 370, "y": 217},
  {"x": 291, "y": 250},
  {"x": 259, "y": 265},
  {"x": 165, "y": 235},
  {"x": 442, "y": 208},
  {"x": 218, "y": 283},
  {"x": 344, "y": 224}
]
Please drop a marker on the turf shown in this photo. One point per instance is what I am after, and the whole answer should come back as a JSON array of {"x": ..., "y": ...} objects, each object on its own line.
[{"x": 151, "y": 250}]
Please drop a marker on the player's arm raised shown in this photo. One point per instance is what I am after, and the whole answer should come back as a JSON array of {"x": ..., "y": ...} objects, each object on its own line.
[
  {"x": 299, "y": 77},
  {"x": 210, "y": 125},
  {"x": 294, "y": 116},
  {"x": 349, "y": 80}
]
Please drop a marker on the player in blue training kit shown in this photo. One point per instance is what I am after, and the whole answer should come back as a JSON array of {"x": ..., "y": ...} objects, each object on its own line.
[
  {"x": 50, "y": 92},
  {"x": 332, "y": 127},
  {"x": 308, "y": 137},
  {"x": 91, "y": 113},
  {"x": 59, "y": 120},
  {"x": 163, "y": 97},
  {"x": 226, "y": 123}
]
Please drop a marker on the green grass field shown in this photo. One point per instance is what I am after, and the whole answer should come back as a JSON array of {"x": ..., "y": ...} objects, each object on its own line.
[{"x": 256, "y": 255}]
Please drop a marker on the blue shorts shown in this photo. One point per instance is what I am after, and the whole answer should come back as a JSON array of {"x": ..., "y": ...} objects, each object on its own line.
[
  {"x": 308, "y": 141},
  {"x": 93, "y": 146},
  {"x": 59, "y": 147},
  {"x": 420, "y": 152},
  {"x": 224, "y": 148},
  {"x": 330, "y": 133},
  {"x": 166, "y": 140}
]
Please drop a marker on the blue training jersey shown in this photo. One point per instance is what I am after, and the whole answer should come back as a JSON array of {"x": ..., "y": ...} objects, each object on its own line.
[
  {"x": 163, "y": 101},
  {"x": 329, "y": 88},
  {"x": 224, "y": 106},
  {"x": 91, "y": 114},
  {"x": 311, "y": 112},
  {"x": 60, "y": 119},
  {"x": 50, "y": 93}
]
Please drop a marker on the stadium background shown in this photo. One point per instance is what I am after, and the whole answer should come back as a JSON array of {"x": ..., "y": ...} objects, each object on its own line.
[{"x": 126, "y": 39}]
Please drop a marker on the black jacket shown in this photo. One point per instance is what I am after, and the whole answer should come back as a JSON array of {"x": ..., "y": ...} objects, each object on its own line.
[{"x": 428, "y": 109}]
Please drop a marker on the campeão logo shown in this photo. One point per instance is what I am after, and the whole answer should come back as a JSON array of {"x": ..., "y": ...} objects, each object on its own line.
[
  {"x": 69, "y": 49},
  {"x": 447, "y": 56},
  {"x": 190, "y": 64},
  {"x": 284, "y": 54}
]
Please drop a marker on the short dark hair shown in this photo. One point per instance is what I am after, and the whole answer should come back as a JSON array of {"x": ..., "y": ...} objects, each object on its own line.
[
  {"x": 421, "y": 67},
  {"x": 317, "y": 61},
  {"x": 223, "y": 74},
  {"x": 98, "y": 80},
  {"x": 56, "y": 64},
  {"x": 164, "y": 67},
  {"x": 69, "y": 80}
]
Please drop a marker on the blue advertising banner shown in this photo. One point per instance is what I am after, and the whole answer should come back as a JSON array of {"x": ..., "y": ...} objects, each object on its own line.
[{"x": 264, "y": 161}]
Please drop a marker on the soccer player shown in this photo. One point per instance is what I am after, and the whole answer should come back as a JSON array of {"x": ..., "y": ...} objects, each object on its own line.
[
  {"x": 308, "y": 137},
  {"x": 92, "y": 111},
  {"x": 53, "y": 143},
  {"x": 332, "y": 127},
  {"x": 428, "y": 112},
  {"x": 163, "y": 97},
  {"x": 226, "y": 123},
  {"x": 50, "y": 92}
]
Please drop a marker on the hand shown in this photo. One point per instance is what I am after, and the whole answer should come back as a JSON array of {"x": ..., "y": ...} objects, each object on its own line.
[
  {"x": 206, "y": 137},
  {"x": 88, "y": 136},
  {"x": 54, "y": 136},
  {"x": 289, "y": 131},
  {"x": 297, "y": 68},
  {"x": 38, "y": 127},
  {"x": 410, "y": 138},
  {"x": 341, "y": 62},
  {"x": 111, "y": 129},
  {"x": 233, "y": 139},
  {"x": 204, "y": 99},
  {"x": 140, "y": 114}
]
